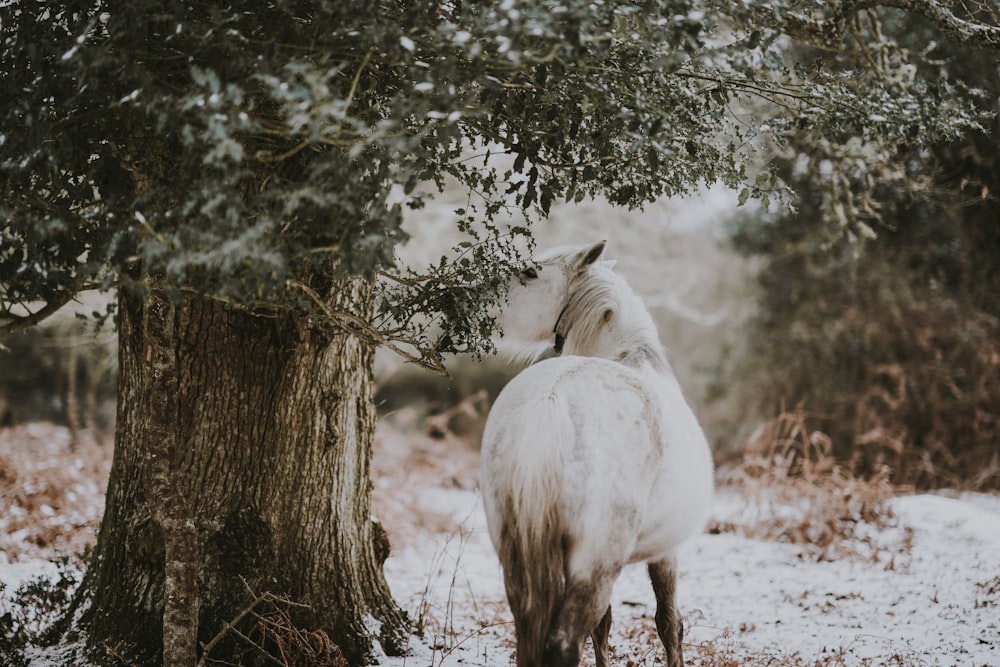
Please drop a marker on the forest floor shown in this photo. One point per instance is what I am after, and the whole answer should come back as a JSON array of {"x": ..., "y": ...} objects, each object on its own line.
[{"x": 795, "y": 569}]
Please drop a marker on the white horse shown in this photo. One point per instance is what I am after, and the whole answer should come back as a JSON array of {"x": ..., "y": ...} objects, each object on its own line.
[{"x": 591, "y": 460}]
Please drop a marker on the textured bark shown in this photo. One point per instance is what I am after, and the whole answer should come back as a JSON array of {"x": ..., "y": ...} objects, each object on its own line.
[
  {"x": 176, "y": 516},
  {"x": 241, "y": 467}
]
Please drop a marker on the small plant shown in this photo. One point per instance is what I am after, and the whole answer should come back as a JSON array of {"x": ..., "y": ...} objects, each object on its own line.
[
  {"x": 35, "y": 604},
  {"x": 11, "y": 640},
  {"x": 988, "y": 593}
]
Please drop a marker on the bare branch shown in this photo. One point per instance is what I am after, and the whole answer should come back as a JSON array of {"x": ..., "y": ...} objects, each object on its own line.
[{"x": 230, "y": 626}]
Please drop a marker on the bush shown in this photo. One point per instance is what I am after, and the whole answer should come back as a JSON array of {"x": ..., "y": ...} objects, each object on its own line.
[
  {"x": 885, "y": 323},
  {"x": 898, "y": 369},
  {"x": 29, "y": 611},
  {"x": 793, "y": 490}
]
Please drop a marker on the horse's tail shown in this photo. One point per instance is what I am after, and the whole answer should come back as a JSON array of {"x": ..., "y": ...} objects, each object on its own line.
[{"x": 534, "y": 540}]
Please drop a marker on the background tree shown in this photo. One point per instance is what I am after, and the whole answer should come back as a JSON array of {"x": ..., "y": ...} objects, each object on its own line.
[
  {"x": 241, "y": 175},
  {"x": 880, "y": 308}
]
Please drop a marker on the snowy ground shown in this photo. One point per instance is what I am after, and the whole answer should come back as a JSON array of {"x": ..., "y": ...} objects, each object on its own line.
[
  {"x": 930, "y": 595},
  {"x": 744, "y": 601},
  {"x": 927, "y": 593}
]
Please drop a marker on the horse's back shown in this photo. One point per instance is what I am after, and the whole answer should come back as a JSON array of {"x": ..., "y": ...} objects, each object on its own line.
[{"x": 574, "y": 443}]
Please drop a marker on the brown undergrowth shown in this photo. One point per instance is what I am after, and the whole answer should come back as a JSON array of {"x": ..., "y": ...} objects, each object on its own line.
[
  {"x": 51, "y": 492},
  {"x": 933, "y": 424},
  {"x": 267, "y": 632},
  {"x": 795, "y": 491}
]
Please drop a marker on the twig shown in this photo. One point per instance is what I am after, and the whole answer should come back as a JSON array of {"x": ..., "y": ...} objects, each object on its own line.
[
  {"x": 489, "y": 626},
  {"x": 357, "y": 326},
  {"x": 250, "y": 610},
  {"x": 229, "y": 626}
]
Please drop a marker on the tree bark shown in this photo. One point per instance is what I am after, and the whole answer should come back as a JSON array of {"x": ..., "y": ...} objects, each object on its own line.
[{"x": 241, "y": 468}]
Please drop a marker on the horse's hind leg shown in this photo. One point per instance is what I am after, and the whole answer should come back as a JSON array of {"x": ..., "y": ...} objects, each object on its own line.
[
  {"x": 663, "y": 574},
  {"x": 583, "y": 609},
  {"x": 600, "y": 639}
]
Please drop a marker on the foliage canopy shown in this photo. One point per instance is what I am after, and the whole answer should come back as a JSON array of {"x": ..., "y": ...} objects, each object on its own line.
[{"x": 259, "y": 151}]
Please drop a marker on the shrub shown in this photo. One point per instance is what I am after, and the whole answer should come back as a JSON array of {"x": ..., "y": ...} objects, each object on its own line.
[
  {"x": 884, "y": 317},
  {"x": 796, "y": 492}
]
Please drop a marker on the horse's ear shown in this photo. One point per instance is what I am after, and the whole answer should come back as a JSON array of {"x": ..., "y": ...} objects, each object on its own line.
[{"x": 588, "y": 256}]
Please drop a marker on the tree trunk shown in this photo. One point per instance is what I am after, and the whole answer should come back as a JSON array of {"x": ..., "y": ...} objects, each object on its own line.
[{"x": 240, "y": 476}]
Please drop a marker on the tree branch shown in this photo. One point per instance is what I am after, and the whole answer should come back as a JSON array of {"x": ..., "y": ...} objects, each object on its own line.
[
  {"x": 963, "y": 31},
  {"x": 12, "y": 323},
  {"x": 16, "y": 323},
  {"x": 354, "y": 325},
  {"x": 828, "y": 33}
]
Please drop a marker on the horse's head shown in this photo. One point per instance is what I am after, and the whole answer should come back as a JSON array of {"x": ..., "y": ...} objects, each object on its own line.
[{"x": 537, "y": 296}]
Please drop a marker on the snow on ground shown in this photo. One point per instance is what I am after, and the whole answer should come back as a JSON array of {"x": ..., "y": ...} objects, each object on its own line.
[
  {"x": 932, "y": 608},
  {"x": 744, "y": 601},
  {"x": 931, "y": 597}
]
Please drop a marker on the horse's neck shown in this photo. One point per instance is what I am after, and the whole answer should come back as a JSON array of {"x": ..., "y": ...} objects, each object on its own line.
[
  {"x": 645, "y": 354},
  {"x": 628, "y": 338},
  {"x": 636, "y": 349}
]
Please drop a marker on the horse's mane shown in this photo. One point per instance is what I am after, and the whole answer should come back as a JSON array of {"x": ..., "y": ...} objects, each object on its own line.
[{"x": 603, "y": 317}]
